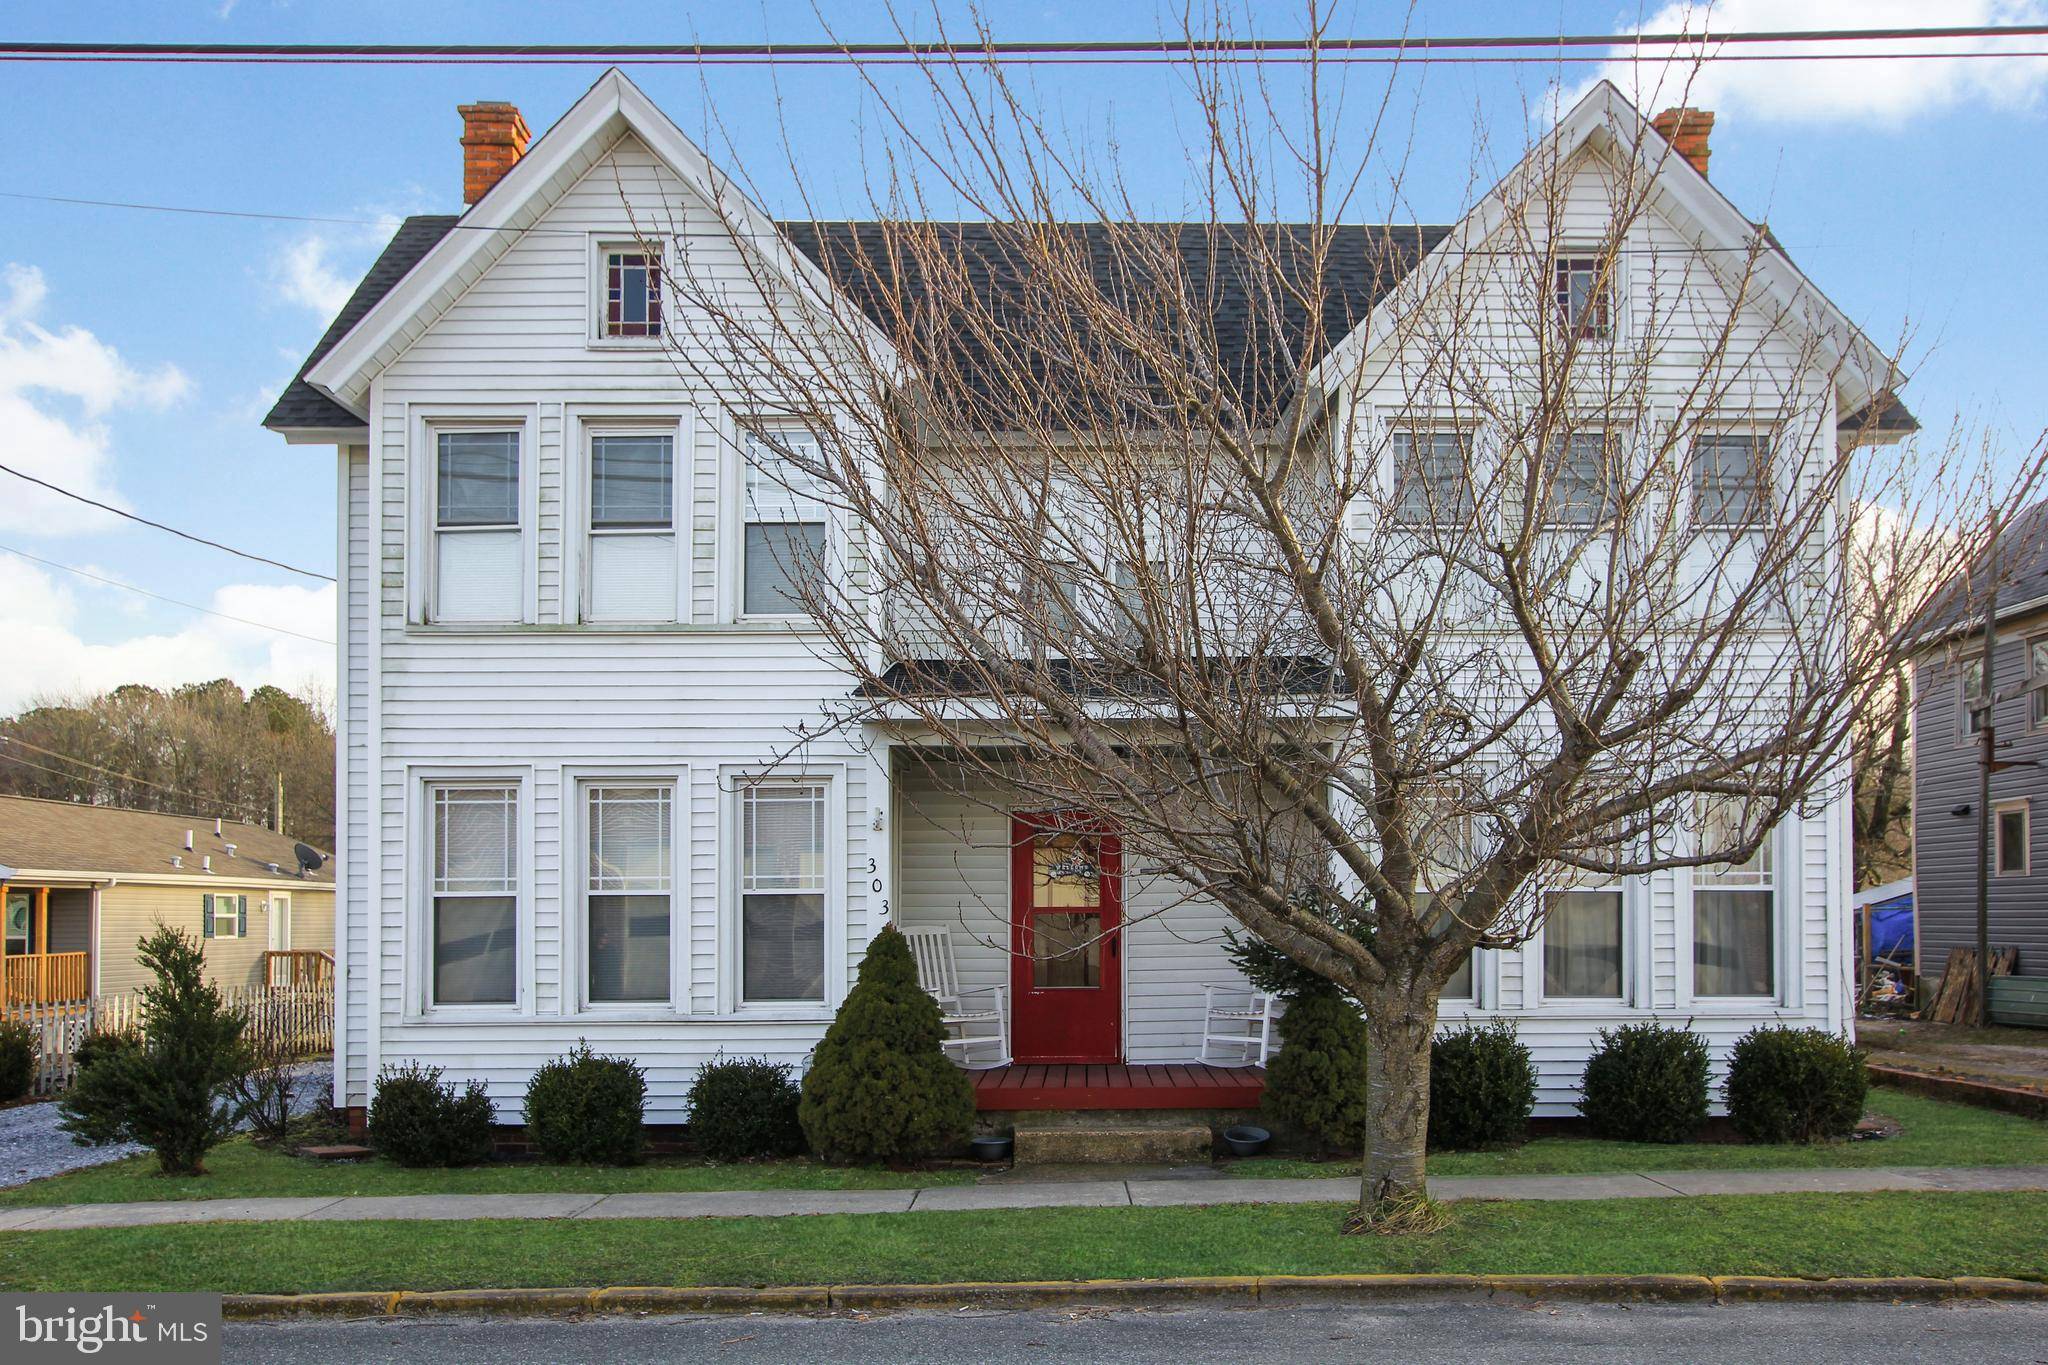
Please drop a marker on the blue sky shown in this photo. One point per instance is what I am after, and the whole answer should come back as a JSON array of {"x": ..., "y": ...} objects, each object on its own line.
[{"x": 139, "y": 350}]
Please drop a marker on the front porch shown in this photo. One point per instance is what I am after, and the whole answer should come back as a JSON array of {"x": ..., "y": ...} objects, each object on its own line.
[
  {"x": 1173, "y": 1085},
  {"x": 45, "y": 953}
]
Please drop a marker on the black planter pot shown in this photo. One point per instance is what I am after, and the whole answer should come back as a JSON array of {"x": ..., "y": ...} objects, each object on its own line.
[
  {"x": 1245, "y": 1140},
  {"x": 992, "y": 1148}
]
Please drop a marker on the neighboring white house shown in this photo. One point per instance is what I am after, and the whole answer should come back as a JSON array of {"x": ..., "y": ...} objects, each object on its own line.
[{"x": 565, "y": 668}]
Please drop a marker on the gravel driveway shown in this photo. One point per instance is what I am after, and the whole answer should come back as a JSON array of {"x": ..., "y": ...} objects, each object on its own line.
[{"x": 32, "y": 1146}]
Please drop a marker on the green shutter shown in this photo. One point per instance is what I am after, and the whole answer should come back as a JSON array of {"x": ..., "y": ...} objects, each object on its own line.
[
  {"x": 241, "y": 917},
  {"x": 206, "y": 924}
]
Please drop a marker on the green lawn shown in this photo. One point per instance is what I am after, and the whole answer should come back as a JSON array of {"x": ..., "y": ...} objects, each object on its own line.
[
  {"x": 240, "y": 1170},
  {"x": 1933, "y": 1133},
  {"x": 1789, "y": 1234}
]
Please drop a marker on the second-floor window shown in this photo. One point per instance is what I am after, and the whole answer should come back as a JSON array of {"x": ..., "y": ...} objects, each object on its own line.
[
  {"x": 1432, "y": 484},
  {"x": 784, "y": 515},
  {"x": 1727, "y": 475},
  {"x": 2037, "y": 682},
  {"x": 632, "y": 527},
  {"x": 478, "y": 571},
  {"x": 1970, "y": 703},
  {"x": 1580, "y": 484}
]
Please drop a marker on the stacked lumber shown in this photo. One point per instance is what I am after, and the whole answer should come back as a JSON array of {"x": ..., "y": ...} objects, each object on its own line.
[{"x": 1955, "y": 1001}]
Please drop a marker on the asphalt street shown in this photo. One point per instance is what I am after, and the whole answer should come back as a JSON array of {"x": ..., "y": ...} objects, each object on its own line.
[{"x": 1433, "y": 1330}]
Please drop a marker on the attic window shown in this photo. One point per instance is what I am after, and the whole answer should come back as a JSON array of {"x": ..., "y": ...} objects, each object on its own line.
[
  {"x": 632, "y": 292},
  {"x": 1584, "y": 289}
]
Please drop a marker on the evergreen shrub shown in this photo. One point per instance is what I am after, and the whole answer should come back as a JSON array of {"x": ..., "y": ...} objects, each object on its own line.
[
  {"x": 418, "y": 1119},
  {"x": 588, "y": 1109},
  {"x": 1646, "y": 1083},
  {"x": 742, "y": 1108},
  {"x": 1795, "y": 1085},
  {"x": 1482, "y": 1087},
  {"x": 1316, "y": 1081}
]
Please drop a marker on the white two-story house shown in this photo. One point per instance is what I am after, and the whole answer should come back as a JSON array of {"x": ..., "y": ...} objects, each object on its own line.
[{"x": 571, "y": 681}]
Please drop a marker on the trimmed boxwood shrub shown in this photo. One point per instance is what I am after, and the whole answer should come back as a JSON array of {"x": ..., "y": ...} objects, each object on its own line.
[
  {"x": 19, "y": 1044},
  {"x": 418, "y": 1119},
  {"x": 745, "y": 1107},
  {"x": 1316, "y": 1081},
  {"x": 588, "y": 1109},
  {"x": 1795, "y": 1085},
  {"x": 880, "y": 1087},
  {"x": 1482, "y": 1087},
  {"x": 1646, "y": 1083}
]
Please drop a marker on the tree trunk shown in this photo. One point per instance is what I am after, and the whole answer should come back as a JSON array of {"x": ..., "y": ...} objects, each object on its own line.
[{"x": 1400, "y": 1020}]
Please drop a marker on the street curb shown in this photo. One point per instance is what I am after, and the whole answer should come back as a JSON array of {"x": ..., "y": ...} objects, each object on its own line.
[{"x": 1192, "y": 1290}]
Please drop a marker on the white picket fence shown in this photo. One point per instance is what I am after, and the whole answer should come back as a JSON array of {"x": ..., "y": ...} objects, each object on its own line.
[{"x": 299, "y": 1018}]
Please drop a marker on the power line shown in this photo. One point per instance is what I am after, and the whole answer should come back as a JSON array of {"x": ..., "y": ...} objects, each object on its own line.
[
  {"x": 1704, "y": 45},
  {"x": 189, "y": 606},
  {"x": 201, "y": 540},
  {"x": 110, "y": 772}
]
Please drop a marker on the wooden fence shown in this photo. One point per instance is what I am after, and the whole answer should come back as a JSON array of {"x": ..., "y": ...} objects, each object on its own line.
[{"x": 300, "y": 1020}]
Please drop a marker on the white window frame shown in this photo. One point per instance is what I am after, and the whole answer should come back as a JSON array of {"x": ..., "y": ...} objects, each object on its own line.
[
  {"x": 734, "y": 520},
  {"x": 1467, "y": 437},
  {"x": 427, "y": 421},
  {"x": 1764, "y": 435},
  {"x": 2037, "y": 683},
  {"x": 1617, "y": 291},
  {"x": 418, "y": 966},
  {"x": 2024, "y": 807},
  {"x": 1777, "y": 852},
  {"x": 1968, "y": 722},
  {"x": 587, "y": 422},
  {"x": 733, "y": 779},
  {"x": 599, "y": 247},
  {"x": 235, "y": 914},
  {"x": 576, "y": 784},
  {"x": 1633, "y": 939}
]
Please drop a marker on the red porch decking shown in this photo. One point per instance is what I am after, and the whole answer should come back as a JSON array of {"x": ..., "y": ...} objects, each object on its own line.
[{"x": 1190, "y": 1085}]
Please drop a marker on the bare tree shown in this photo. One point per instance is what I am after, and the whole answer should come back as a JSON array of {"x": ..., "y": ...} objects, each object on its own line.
[{"x": 1382, "y": 583}]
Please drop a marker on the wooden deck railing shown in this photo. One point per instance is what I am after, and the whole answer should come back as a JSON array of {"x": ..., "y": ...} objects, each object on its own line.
[
  {"x": 45, "y": 978},
  {"x": 298, "y": 968}
]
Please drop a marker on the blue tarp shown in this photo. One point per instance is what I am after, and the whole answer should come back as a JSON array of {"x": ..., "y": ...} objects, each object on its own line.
[{"x": 1891, "y": 928}]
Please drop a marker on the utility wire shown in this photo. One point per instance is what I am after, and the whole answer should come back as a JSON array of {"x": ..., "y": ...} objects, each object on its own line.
[
  {"x": 201, "y": 540},
  {"x": 189, "y": 606},
  {"x": 1407, "y": 47},
  {"x": 101, "y": 768}
]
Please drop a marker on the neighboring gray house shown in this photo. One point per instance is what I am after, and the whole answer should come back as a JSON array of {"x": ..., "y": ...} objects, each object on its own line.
[{"x": 1947, "y": 665}]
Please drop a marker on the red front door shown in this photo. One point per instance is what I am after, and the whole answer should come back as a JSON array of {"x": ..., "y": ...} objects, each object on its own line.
[{"x": 1066, "y": 953}]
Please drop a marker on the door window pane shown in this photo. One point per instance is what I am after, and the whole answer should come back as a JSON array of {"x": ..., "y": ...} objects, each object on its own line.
[
  {"x": 1582, "y": 945},
  {"x": 475, "y": 895},
  {"x": 632, "y": 481},
  {"x": 1066, "y": 951},
  {"x": 783, "y": 870},
  {"x": 477, "y": 478},
  {"x": 1066, "y": 871},
  {"x": 630, "y": 851}
]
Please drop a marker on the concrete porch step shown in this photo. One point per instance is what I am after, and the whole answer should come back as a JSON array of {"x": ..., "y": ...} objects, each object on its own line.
[{"x": 1072, "y": 1139}]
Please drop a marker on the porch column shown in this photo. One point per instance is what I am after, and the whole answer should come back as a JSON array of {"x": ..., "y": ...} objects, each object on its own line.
[
  {"x": 41, "y": 943},
  {"x": 881, "y": 833}
]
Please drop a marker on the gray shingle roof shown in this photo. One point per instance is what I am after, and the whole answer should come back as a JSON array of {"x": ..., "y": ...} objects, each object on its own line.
[
  {"x": 68, "y": 836},
  {"x": 301, "y": 405},
  {"x": 2022, "y": 584},
  {"x": 1361, "y": 264}
]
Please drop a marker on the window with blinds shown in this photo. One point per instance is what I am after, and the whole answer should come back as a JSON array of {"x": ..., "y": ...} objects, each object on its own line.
[
  {"x": 629, "y": 891},
  {"x": 478, "y": 575},
  {"x": 632, "y": 560},
  {"x": 474, "y": 894},
  {"x": 786, "y": 530},
  {"x": 782, "y": 892}
]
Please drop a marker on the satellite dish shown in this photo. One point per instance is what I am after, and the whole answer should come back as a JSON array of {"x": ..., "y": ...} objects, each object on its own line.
[{"x": 310, "y": 858}]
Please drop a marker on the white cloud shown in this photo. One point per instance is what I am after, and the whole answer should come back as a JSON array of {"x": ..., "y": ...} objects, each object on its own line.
[
  {"x": 40, "y": 615},
  {"x": 56, "y": 389},
  {"x": 306, "y": 273},
  {"x": 1881, "y": 90}
]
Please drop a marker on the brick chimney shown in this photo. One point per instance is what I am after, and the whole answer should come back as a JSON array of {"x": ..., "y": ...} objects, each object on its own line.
[
  {"x": 1686, "y": 130},
  {"x": 493, "y": 138}
]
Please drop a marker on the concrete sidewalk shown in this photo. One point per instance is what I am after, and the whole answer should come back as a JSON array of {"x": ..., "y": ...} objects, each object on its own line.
[{"x": 1018, "y": 1195}]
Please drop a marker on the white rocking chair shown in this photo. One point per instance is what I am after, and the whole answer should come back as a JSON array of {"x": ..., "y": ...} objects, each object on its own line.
[
  {"x": 1234, "y": 1017},
  {"x": 968, "y": 1008}
]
